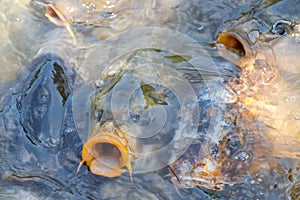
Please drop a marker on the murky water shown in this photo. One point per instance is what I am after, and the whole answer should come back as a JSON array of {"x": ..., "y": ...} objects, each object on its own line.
[{"x": 153, "y": 67}]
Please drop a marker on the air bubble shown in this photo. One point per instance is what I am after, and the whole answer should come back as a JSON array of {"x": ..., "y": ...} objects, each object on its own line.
[
  {"x": 91, "y": 8},
  {"x": 200, "y": 29},
  {"x": 243, "y": 156},
  {"x": 111, "y": 73},
  {"x": 69, "y": 130},
  {"x": 99, "y": 83},
  {"x": 18, "y": 19},
  {"x": 53, "y": 141},
  {"x": 135, "y": 117},
  {"x": 297, "y": 117}
]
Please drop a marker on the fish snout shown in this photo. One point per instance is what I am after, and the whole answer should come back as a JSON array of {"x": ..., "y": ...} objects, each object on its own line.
[
  {"x": 107, "y": 153},
  {"x": 234, "y": 47}
]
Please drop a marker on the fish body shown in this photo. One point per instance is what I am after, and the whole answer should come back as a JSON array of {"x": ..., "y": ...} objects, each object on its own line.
[
  {"x": 261, "y": 113},
  {"x": 265, "y": 53},
  {"x": 43, "y": 101}
]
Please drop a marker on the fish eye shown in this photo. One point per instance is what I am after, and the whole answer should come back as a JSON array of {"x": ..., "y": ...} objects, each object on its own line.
[{"x": 282, "y": 27}]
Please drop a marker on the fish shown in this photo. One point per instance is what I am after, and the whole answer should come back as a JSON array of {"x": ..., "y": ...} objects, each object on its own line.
[
  {"x": 64, "y": 13},
  {"x": 266, "y": 57},
  {"x": 262, "y": 113},
  {"x": 46, "y": 92},
  {"x": 107, "y": 151},
  {"x": 107, "y": 18},
  {"x": 43, "y": 101},
  {"x": 63, "y": 17},
  {"x": 144, "y": 116}
]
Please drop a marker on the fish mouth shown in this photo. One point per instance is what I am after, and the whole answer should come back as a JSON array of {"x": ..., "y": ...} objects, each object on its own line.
[
  {"x": 234, "y": 47},
  {"x": 55, "y": 15},
  {"x": 106, "y": 154}
]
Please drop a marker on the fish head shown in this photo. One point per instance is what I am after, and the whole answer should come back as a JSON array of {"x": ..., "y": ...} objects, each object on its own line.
[
  {"x": 264, "y": 44},
  {"x": 270, "y": 33},
  {"x": 106, "y": 153}
]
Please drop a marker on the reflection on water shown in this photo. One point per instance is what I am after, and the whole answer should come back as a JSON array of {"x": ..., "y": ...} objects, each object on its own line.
[
  {"x": 13, "y": 19},
  {"x": 41, "y": 67}
]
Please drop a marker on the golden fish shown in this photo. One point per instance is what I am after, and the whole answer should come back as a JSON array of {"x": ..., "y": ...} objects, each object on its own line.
[
  {"x": 267, "y": 90},
  {"x": 107, "y": 152},
  {"x": 264, "y": 106}
]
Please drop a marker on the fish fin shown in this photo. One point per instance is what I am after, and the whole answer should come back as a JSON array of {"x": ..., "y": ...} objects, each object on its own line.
[
  {"x": 79, "y": 166},
  {"x": 280, "y": 144}
]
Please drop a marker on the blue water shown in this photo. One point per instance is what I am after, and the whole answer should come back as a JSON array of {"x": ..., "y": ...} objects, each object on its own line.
[{"x": 43, "y": 123}]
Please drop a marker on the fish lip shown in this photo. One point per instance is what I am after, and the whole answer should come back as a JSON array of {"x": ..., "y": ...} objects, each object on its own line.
[
  {"x": 56, "y": 16},
  {"x": 95, "y": 164},
  {"x": 234, "y": 46},
  {"x": 99, "y": 168}
]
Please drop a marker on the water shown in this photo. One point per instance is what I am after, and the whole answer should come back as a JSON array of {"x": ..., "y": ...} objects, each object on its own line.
[{"x": 44, "y": 121}]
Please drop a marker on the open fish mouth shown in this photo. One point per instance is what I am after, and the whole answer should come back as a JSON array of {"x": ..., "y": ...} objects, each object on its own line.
[
  {"x": 234, "y": 43},
  {"x": 144, "y": 114},
  {"x": 236, "y": 46},
  {"x": 107, "y": 152},
  {"x": 261, "y": 91},
  {"x": 148, "y": 92}
]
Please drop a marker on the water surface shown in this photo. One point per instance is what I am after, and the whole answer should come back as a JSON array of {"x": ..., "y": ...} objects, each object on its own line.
[{"x": 43, "y": 165}]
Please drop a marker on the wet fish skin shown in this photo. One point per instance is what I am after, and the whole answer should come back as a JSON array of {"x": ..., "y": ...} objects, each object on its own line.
[
  {"x": 263, "y": 44},
  {"x": 43, "y": 101},
  {"x": 266, "y": 49}
]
